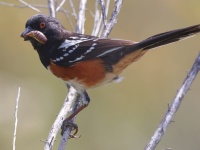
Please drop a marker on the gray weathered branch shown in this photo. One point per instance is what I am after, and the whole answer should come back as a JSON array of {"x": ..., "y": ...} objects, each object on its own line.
[
  {"x": 81, "y": 17},
  {"x": 113, "y": 18},
  {"x": 66, "y": 108},
  {"x": 16, "y": 118},
  {"x": 103, "y": 12},
  {"x": 28, "y": 5},
  {"x": 155, "y": 139},
  {"x": 51, "y": 5},
  {"x": 60, "y": 6}
]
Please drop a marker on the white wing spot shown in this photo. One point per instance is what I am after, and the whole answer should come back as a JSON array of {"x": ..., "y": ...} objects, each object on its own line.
[
  {"x": 75, "y": 41},
  {"x": 70, "y": 51},
  {"x": 66, "y": 54},
  {"x": 96, "y": 39},
  {"x": 74, "y": 37},
  {"x": 94, "y": 44},
  {"x": 83, "y": 38},
  {"x": 77, "y": 59},
  {"x": 57, "y": 59},
  {"x": 109, "y": 51},
  {"x": 89, "y": 50},
  {"x": 68, "y": 43}
]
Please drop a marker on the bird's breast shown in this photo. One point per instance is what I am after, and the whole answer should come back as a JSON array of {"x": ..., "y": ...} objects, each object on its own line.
[{"x": 85, "y": 74}]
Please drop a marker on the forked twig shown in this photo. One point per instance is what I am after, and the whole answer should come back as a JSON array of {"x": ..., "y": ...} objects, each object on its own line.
[
  {"x": 103, "y": 11},
  {"x": 106, "y": 13},
  {"x": 113, "y": 18},
  {"x": 60, "y": 6}
]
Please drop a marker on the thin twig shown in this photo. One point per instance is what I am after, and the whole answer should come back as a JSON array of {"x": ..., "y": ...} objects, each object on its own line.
[
  {"x": 22, "y": 6},
  {"x": 16, "y": 118},
  {"x": 28, "y": 5},
  {"x": 97, "y": 20},
  {"x": 90, "y": 12},
  {"x": 81, "y": 17},
  {"x": 68, "y": 18},
  {"x": 155, "y": 139},
  {"x": 60, "y": 6},
  {"x": 66, "y": 135},
  {"x": 51, "y": 6},
  {"x": 107, "y": 7},
  {"x": 66, "y": 108},
  {"x": 113, "y": 19},
  {"x": 12, "y": 5},
  {"x": 106, "y": 12},
  {"x": 103, "y": 11},
  {"x": 73, "y": 9}
]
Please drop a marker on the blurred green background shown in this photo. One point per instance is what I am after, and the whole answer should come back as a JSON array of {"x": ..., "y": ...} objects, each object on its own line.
[{"x": 120, "y": 116}]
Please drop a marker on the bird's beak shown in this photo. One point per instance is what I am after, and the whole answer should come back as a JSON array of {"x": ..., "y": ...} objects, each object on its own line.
[
  {"x": 29, "y": 33},
  {"x": 25, "y": 33}
]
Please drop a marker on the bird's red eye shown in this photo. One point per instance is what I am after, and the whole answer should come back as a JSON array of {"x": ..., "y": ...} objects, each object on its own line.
[{"x": 42, "y": 25}]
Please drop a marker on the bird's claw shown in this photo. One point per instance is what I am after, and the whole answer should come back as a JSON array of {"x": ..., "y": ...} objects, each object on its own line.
[{"x": 73, "y": 126}]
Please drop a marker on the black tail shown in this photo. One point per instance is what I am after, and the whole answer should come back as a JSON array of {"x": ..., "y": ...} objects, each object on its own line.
[{"x": 168, "y": 37}]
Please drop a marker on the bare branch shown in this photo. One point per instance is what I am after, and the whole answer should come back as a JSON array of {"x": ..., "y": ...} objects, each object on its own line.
[
  {"x": 106, "y": 11},
  {"x": 11, "y": 5},
  {"x": 79, "y": 29},
  {"x": 73, "y": 9},
  {"x": 16, "y": 119},
  {"x": 66, "y": 135},
  {"x": 61, "y": 4},
  {"x": 59, "y": 119},
  {"x": 81, "y": 17},
  {"x": 103, "y": 11},
  {"x": 90, "y": 12},
  {"x": 51, "y": 6},
  {"x": 68, "y": 18},
  {"x": 155, "y": 139},
  {"x": 22, "y": 6},
  {"x": 28, "y": 5},
  {"x": 107, "y": 7},
  {"x": 113, "y": 19},
  {"x": 97, "y": 20}
]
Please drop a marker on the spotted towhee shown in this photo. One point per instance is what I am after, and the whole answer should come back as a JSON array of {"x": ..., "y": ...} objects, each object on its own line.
[{"x": 85, "y": 61}]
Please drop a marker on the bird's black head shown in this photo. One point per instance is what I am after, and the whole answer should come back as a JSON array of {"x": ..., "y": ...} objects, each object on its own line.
[
  {"x": 45, "y": 34},
  {"x": 42, "y": 30}
]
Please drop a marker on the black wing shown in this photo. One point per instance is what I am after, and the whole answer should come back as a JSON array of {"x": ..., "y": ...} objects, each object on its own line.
[{"x": 76, "y": 49}]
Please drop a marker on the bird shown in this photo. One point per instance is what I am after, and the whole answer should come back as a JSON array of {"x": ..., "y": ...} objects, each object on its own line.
[{"x": 85, "y": 61}]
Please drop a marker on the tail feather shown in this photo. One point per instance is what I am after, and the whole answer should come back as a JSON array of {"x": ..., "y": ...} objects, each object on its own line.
[
  {"x": 168, "y": 37},
  {"x": 134, "y": 52}
]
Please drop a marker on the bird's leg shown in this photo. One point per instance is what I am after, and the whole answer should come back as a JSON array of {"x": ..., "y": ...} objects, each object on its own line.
[{"x": 85, "y": 99}]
